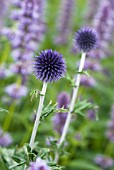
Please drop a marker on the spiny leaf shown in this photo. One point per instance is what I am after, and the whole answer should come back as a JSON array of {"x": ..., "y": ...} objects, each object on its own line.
[
  {"x": 19, "y": 164},
  {"x": 4, "y": 110}
]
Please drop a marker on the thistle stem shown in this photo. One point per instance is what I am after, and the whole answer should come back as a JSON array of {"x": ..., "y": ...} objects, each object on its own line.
[
  {"x": 37, "y": 121},
  {"x": 73, "y": 100}
]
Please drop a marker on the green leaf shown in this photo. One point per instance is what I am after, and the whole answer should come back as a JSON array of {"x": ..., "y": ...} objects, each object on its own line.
[
  {"x": 49, "y": 109},
  {"x": 17, "y": 159},
  {"x": 71, "y": 81},
  {"x": 19, "y": 164},
  {"x": 81, "y": 164},
  {"x": 43, "y": 152},
  {"x": 82, "y": 106}
]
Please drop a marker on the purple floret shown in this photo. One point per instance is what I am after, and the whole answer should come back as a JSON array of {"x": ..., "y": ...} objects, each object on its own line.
[
  {"x": 5, "y": 139},
  {"x": 38, "y": 165}
]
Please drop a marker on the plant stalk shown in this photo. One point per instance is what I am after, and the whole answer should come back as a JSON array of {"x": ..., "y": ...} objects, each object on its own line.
[
  {"x": 73, "y": 100},
  {"x": 37, "y": 121}
]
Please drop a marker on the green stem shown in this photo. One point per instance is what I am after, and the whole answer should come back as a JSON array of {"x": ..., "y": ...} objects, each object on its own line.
[{"x": 9, "y": 117}]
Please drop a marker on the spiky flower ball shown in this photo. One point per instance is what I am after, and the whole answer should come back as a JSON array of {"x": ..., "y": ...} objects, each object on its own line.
[
  {"x": 49, "y": 66},
  {"x": 86, "y": 39}
]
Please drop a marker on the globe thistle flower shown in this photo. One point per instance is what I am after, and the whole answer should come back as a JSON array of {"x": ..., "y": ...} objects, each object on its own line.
[
  {"x": 16, "y": 91},
  {"x": 5, "y": 139},
  {"x": 63, "y": 100},
  {"x": 86, "y": 39},
  {"x": 64, "y": 23},
  {"x": 38, "y": 165},
  {"x": 49, "y": 66},
  {"x": 103, "y": 161}
]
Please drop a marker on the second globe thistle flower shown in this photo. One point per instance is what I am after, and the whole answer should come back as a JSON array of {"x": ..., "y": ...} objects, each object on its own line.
[
  {"x": 85, "y": 40},
  {"x": 49, "y": 66}
]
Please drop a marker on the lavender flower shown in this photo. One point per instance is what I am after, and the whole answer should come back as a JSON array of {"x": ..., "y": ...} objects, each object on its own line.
[
  {"x": 3, "y": 71},
  {"x": 92, "y": 9},
  {"x": 91, "y": 115},
  {"x": 38, "y": 165},
  {"x": 86, "y": 39},
  {"x": 63, "y": 100},
  {"x": 103, "y": 24},
  {"x": 3, "y": 12},
  {"x": 88, "y": 81},
  {"x": 31, "y": 27},
  {"x": 29, "y": 15},
  {"x": 91, "y": 64},
  {"x": 16, "y": 91},
  {"x": 103, "y": 161},
  {"x": 110, "y": 126},
  {"x": 49, "y": 66},
  {"x": 5, "y": 139},
  {"x": 64, "y": 22},
  {"x": 22, "y": 68}
]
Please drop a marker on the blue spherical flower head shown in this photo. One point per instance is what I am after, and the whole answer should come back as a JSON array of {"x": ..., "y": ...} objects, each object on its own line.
[
  {"x": 49, "y": 66},
  {"x": 86, "y": 39}
]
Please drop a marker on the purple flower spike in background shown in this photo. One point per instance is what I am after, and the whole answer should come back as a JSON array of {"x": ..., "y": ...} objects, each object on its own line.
[
  {"x": 38, "y": 165},
  {"x": 88, "y": 81},
  {"x": 103, "y": 161},
  {"x": 103, "y": 23},
  {"x": 64, "y": 23},
  {"x": 49, "y": 66},
  {"x": 63, "y": 100},
  {"x": 110, "y": 126},
  {"x": 86, "y": 39},
  {"x": 16, "y": 91},
  {"x": 5, "y": 139}
]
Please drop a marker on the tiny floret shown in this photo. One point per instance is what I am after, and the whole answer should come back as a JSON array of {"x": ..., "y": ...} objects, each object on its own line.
[
  {"x": 86, "y": 39},
  {"x": 38, "y": 165},
  {"x": 49, "y": 66}
]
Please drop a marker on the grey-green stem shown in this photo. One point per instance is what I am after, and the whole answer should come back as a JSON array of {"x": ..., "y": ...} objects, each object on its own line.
[
  {"x": 38, "y": 115},
  {"x": 72, "y": 104}
]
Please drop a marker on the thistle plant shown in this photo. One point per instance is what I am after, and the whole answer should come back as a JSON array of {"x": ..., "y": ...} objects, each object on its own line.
[
  {"x": 86, "y": 40},
  {"x": 49, "y": 66}
]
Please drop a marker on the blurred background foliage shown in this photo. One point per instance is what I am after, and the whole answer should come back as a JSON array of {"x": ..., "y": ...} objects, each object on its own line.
[{"x": 91, "y": 138}]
